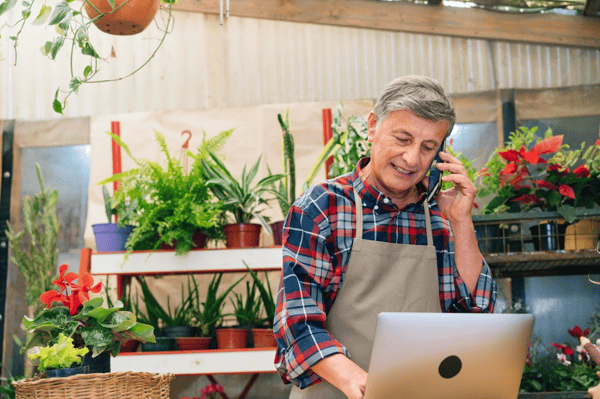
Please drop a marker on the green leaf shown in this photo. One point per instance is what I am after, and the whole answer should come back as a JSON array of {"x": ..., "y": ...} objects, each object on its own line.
[
  {"x": 62, "y": 12},
  {"x": 89, "y": 50},
  {"x": 96, "y": 336},
  {"x": 26, "y": 14},
  {"x": 112, "y": 4},
  {"x": 60, "y": 355},
  {"x": 43, "y": 15},
  {"x": 7, "y": 5},
  {"x": 87, "y": 71},
  {"x": 57, "y": 106},
  {"x": 74, "y": 84},
  {"x": 56, "y": 46}
]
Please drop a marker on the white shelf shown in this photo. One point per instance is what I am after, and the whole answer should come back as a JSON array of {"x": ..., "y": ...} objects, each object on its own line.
[
  {"x": 197, "y": 362},
  {"x": 199, "y": 261}
]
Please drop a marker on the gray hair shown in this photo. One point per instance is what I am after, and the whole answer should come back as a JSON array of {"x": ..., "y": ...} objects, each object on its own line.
[{"x": 420, "y": 95}]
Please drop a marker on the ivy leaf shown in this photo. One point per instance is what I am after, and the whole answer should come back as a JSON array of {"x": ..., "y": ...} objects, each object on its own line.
[
  {"x": 74, "y": 84},
  {"x": 61, "y": 13},
  {"x": 112, "y": 4},
  {"x": 57, "y": 106},
  {"x": 43, "y": 15},
  {"x": 87, "y": 71},
  {"x": 89, "y": 50},
  {"x": 26, "y": 14},
  {"x": 56, "y": 46},
  {"x": 45, "y": 49},
  {"x": 81, "y": 36},
  {"x": 7, "y": 5}
]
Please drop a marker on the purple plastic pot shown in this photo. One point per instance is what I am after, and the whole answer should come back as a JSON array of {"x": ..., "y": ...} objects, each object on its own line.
[{"x": 110, "y": 237}]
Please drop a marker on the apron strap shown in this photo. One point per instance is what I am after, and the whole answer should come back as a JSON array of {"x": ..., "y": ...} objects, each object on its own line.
[
  {"x": 359, "y": 217},
  {"x": 359, "y": 214}
]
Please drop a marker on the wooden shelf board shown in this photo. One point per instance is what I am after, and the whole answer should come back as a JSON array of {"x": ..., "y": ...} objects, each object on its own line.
[
  {"x": 244, "y": 361},
  {"x": 200, "y": 261}
]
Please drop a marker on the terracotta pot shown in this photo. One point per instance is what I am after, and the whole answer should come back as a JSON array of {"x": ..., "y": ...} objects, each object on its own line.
[
  {"x": 198, "y": 238},
  {"x": 193, "y": 343},
  {"x": 277, "y": 228},
  {"x": 263, "y": 338},
  {"x": 232, "y": 338},
  {"x": 129, "y": 19},
  {"x": 243, "y": 235},
  {"x": 129, "y": 346}
]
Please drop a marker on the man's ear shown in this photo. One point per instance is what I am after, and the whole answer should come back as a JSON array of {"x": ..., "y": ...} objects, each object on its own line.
[{"x": 371, "y": 126}]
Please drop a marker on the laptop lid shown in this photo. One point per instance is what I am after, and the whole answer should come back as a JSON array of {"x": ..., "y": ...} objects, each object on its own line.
[{"x": 448, "y": 355}]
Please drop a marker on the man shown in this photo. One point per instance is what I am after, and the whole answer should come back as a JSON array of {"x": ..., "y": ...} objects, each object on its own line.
[{"x": 368, "y": 242}]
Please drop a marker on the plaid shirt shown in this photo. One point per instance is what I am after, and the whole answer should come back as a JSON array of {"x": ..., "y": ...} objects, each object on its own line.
[{"x": 317, "y": 241}]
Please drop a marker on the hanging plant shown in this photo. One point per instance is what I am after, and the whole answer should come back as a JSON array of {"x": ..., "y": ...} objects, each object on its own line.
[{"x": 71, "y": 26}]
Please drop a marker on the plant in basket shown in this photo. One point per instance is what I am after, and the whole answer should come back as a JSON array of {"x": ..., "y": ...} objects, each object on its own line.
[
  {"x": 101, "y": 330},
  {"x": 175, "y": 208},
  {"x": 241, "y": 201}
]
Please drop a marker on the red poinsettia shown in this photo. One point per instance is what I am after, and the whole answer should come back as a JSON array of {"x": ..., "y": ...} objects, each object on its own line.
[
  {"x": 71, "y": 295},
  {"x": 564, "y": 348}
]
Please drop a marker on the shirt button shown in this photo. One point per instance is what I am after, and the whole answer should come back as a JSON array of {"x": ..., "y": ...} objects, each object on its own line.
[
  {"x": 376, "y": 207},
  {"x": 386, "y": 200},
  {"x": 364, "y": 204}
]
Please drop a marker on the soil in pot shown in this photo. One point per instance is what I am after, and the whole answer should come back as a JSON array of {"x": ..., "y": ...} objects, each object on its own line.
[
  {"x": 243, "y": 235},
  {"x": 263, "y": 338},
  {"x": 232, "y": 338}
]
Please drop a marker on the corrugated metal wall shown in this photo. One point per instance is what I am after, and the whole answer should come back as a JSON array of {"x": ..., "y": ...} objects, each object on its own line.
[{"x": 249, "y": 62}]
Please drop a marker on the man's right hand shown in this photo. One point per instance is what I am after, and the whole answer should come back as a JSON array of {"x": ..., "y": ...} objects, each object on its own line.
[{"x": 343, "y": 374}]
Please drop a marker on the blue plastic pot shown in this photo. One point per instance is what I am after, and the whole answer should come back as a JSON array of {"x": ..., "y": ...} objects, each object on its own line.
[{"x": 110, "y": 237}]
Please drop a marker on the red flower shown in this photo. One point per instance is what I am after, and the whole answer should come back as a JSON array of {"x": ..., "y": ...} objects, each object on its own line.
[
  {"x": 509, "y": 169},
  {"x": 598, "y": 142},
  {"x": 483, "y": 172},
  {"x": 85, "y": 285},
  {"x": 577, "y": 333},
  {"x": 567, "y": 191},
  {"x": 548, "y": 145},
  {"x": 51, "y": 296},
  {"x": 544, "y": 184},
  {"x": 582, "y": 171},
  {"x": 527, "y": 199},
  {"x": 63, "y": 281},
  {"x": 533, "y": 156},
  {"x": 565, "y": 349},
  {"x": 510, "y": 155}
]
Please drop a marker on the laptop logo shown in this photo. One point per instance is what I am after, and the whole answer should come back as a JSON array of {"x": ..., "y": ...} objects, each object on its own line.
[{"x": 450, "y": 367}]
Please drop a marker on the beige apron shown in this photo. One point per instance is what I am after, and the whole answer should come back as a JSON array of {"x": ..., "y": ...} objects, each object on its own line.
[{"x": 381, "y": 277}]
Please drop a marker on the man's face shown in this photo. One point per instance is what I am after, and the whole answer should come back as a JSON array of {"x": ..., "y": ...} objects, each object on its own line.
[{"x": 402, "y": 149}]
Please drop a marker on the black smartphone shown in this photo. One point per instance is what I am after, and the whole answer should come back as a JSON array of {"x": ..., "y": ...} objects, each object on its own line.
[{"x": 435, "y": 176}]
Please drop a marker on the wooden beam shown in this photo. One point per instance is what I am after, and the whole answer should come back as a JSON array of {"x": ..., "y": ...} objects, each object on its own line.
[
  {"x": 591, "y": 8},
  {"x": 551, "y": 29}
]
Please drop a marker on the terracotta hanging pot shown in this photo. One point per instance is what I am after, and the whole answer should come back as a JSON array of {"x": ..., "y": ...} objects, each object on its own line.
[
  {"x": 232, "y": 338},
  {"x": 243, "y": 235},
  {"x": 263, "y": 338},
  {"x": 129, "y": 18}
]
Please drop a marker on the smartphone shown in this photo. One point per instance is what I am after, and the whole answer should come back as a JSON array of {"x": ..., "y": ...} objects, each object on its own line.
[{"x": 435, "y": 175}]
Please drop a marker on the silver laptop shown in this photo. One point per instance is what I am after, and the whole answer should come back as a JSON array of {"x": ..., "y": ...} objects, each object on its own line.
[{"x": 448, "y": 355}]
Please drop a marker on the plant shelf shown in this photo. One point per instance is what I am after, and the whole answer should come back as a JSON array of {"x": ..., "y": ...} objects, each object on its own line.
[
  {"x": 241, "y": 361},
  {"x": 196, "y": 261}
]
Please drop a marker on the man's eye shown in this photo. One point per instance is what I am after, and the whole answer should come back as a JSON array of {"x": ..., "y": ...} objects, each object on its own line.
[{"x": 428, "y": 149}]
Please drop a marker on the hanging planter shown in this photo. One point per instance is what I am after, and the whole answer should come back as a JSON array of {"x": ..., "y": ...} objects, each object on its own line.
[
  {"x": 128, "y": 17},
  {"x": 242, "y": 235}
]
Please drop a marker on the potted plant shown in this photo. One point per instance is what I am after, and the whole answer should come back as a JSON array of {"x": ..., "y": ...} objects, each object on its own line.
[
  {"x": 241, "y": 201},
  {"x": 262, "y": 333},
  {"x": 71, "y": 25},
  {"x": 34, "y": 248},
  {"x": 542, "y": 174},
  {"x": 247, "y": 312},
  {"x": 285, "y": 189},
  {"x": 174, "y": 208},
  {"x": 113, "y": 236},
  {"x": 59, "y": 359},
  {"x": 208, "y": 314},
  {"x": 101, "y": 330}
]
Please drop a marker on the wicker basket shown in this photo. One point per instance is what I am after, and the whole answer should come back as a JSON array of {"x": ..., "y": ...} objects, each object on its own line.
[{"x": 122, "y": 385}]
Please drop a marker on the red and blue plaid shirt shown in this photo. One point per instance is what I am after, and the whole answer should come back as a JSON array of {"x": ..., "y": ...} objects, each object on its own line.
[{"x": 317, "y": 241}]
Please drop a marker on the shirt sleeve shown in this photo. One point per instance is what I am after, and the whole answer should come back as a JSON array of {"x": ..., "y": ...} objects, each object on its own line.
[
  {"x": 454, "y": 292},
  {"x": 299, "y": 324}
]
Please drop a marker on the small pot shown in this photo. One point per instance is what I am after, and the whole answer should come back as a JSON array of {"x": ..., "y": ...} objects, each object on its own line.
[
  {"x": 110, "y": 237},
  {"x": 263, "y": 338},
  {"x": 277, "y": 228},
  {"x": 198, "y": 238},
  {"x": 242, "y": 235},
  {"x": 179, "y": 331},
  {"x": 98, "y": 364},
  {"x": 65, "y": 372},
  {"x": 162, "y": 344},
  {"x": 193, "y": 343},
  {"x": 131, "y": 16},
  {"x": 232, "y": 338},
  {"x": 129, "y": 346}
]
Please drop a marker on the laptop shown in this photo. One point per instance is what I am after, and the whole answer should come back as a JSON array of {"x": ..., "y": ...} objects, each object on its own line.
[{"x": 448, "y": 355}]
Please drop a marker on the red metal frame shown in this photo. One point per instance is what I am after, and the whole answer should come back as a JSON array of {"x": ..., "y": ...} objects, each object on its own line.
[{"x": 327, "y": 135}]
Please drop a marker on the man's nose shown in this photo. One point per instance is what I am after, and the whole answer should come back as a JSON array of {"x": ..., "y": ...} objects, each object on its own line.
[{"x": 412, "y": 155}]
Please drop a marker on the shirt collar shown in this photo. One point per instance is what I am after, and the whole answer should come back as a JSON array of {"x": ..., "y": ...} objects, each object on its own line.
[{"x": 373, "y": 198}]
